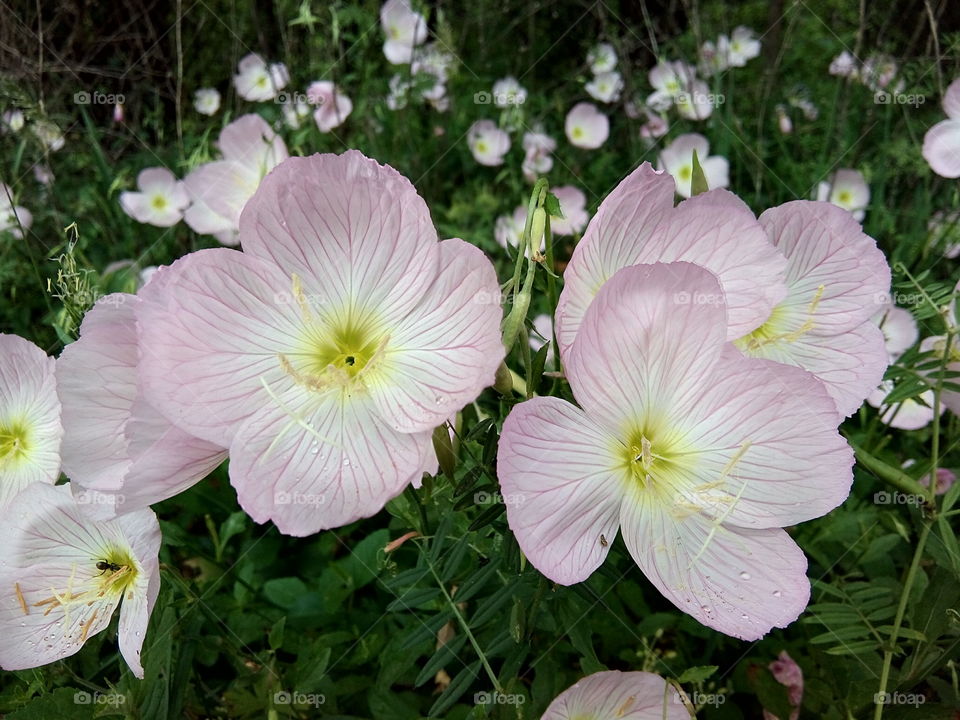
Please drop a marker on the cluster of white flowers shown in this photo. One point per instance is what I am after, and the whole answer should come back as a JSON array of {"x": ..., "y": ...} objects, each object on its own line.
[
  {"x": 877, "y": 72},
  {"x": 427, "y": 80},
  {"x": 742, "y": 46},
  {"x": 606, "y": 84}
]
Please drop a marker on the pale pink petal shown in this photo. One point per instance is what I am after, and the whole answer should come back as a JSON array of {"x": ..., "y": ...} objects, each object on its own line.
[
  {"x": 347, "y": 466},
  {"x": 615, "y": 695},
  {"x": 900, "y": 331},
  {"x": 951, "y": 100},
  {"x": 30, "y": 429},
  {"x": 97, "y": 383},
  {"x": 250, "y": 141},
  {"x": 650, "y": 339},
  {"x": 447, "y": 349},
  {"x": 941, "y": 148},
  {"x": 717, "y": 231},
  {"x": 353, "y": 230},
  {"x": 573, "y": 204},
  {"x": 850, "y": 364},
  {"x": 136, "y": 205},
  {"x": 834, "y": 270},
  {"x": 211, "y": 329},
  {"x": 116, "y": 446},
  {"x": 615, "y": 238},
  {"x": 737, "y": 581},
  {"x": 764, "y": 450},
  {"x": 205, "y": 221},
  {"x": 157, "y": 179},
  {"x": 143, "y": 533},
  {"x": 586, "y": 127},
  {"x": 561, "y": 480},
  {"x": 223, "y": 186}
]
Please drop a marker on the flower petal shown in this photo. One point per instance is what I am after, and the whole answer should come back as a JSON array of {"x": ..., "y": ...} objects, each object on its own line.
[
  {"x": 941, "y": 148},
  {"x": 717, "y": 231},
  {"x": 346, "y": 467},
  {"x": 850, "y": 364},
  {"x": 765, "y": 446},
  {"x": 647, "y": 344},
  {"x": 737, "y": 581},
  {"x": 355, "y": 231},
  {"x": 442, "y": 355},
  {"x": 29, "y": 417},
  {"x": 835, "y": 272},
  {"x": 615, "y": 695},
  {"x": 211, "y": 329},
  {"x": 561, "y": 483},
  {"x": 614, "y": 239}
]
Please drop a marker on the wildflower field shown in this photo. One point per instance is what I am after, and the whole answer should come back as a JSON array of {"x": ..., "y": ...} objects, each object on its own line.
[{"x": 575, "y": 360}]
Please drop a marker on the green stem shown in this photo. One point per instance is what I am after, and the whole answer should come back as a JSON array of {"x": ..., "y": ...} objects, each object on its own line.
[
  {"x": 888, "y": 473},
  {"x": 466, "y": 630},
  {"x": 898, "y": 620}
]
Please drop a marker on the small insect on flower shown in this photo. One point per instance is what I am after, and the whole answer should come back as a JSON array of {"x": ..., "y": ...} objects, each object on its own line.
[{"x": 105, "y": 565}]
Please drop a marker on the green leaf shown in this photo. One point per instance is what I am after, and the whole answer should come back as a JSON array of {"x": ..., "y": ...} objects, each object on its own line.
[
  {"x": 552, "y": 206},
  {"x": 455, "y": 690},
  {"x": 63, "y": 703},
  {"x": 276, "y": 633},
  {"x": 697, "y": 674},
  {"x": 441, "y": 658},
  {"x": 698, "y": 181},
  {"x": 284, "y": 592}
]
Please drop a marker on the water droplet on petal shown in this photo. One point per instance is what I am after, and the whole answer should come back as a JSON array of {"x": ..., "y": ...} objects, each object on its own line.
[
  {"x": 777, "y": 593},
  {"x": 744, "y": 575}
]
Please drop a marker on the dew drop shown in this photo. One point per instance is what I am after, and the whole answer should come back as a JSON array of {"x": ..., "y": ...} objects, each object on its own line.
[
  {"x": 777, "y": 593},
  {"x": 744, "y": 575}
]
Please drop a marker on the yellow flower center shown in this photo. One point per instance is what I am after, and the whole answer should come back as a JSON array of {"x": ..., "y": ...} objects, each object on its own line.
[
  {"x": 159, "y": 202},
  {"x": 335, "y": 351},
  {"x": 108, "y": 577},
  {"x": 776, "y": 328},
  {"x": 14, "y": 443},
  {"x": 686, "y": 172},
  {"x": 577, "y": 132},
  {"x": 844, "y": 197}
]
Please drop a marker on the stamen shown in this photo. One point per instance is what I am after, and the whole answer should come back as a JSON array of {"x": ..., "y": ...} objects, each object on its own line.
[
  {"x": 21, "y": 600},
  {"x": 87, "y": 625}
]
